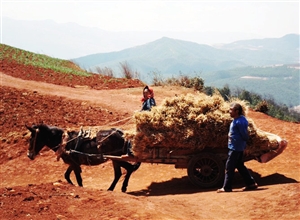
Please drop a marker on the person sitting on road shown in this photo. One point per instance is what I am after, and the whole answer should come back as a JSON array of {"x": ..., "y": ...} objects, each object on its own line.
[
  {"x": 148, "y": 102},
  {"x": 148, "y": 99}
]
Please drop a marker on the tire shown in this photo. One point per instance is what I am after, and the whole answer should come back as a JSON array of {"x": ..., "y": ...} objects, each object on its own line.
[{"x": 206, "y": 170}]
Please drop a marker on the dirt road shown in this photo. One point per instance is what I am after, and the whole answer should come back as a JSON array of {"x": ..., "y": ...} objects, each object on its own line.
[{"x": 37, "y": 189}]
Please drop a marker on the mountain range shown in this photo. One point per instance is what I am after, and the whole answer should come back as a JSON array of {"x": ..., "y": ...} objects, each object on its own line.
[{"x": 169, "y": 56}]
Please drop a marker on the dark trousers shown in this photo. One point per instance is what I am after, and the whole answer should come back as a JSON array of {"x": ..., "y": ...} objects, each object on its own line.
[{"x": 235, "y": 160}]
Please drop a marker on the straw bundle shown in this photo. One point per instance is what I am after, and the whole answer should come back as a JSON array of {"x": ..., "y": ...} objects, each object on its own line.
[
  {"x": 190, "y": 121},
  {"x": 260, "y": 141}
]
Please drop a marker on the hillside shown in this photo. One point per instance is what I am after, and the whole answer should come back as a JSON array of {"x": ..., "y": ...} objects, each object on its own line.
[
  {"x": 37, "y": 189},
  {"x": 279, "y": 83},
  {"x": 57, "y": 71}
]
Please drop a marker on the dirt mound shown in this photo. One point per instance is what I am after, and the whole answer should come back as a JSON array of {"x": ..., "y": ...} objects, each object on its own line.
[{"x": 37, "y": 189}]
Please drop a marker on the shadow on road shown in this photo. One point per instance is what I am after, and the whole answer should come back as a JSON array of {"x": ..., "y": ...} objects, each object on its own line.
[
  {"x": 184, "y": 186},
  {"x": 273, "y": 179}
]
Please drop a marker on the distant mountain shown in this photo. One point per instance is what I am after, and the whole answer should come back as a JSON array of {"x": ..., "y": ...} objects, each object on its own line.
[
  {"x": 166, "y": 55},
  {"x": 169, "y": 56},
  {"x": 287, "y": 42},
  {"x": 65, "y": 40},
  {"x": 268, "y": 51}
]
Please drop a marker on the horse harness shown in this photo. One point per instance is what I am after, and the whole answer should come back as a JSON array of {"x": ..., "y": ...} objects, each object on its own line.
[{"x": 99, "y": 143}]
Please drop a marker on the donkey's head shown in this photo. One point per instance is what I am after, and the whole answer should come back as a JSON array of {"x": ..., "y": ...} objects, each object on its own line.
[{"x": 42, "y": 135}]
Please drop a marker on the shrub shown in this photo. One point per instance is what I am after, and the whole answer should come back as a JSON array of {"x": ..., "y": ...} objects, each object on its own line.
[
  {"x": 127, "y": 73},
  {"x": 105, "y": 71},
  {"x": 157, "y": 79},
  {"x": 262, "y": 107}
]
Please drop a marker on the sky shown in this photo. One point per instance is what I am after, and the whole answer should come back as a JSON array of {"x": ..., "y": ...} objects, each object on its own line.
[{"x": 262, "y": 18}]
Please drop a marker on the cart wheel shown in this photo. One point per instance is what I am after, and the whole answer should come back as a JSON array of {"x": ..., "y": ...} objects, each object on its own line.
[{"x": 206, "y": 170}]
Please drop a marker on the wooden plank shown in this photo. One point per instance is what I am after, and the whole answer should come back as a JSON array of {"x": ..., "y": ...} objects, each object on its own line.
[
  {"x": 148, "y": 160},
  {"x": 178, "y": 157},
  {"x": 131, "y": 159}
]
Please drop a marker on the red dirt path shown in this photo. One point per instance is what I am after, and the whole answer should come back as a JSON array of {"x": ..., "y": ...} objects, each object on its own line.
[{"x": 37, "y": 189}]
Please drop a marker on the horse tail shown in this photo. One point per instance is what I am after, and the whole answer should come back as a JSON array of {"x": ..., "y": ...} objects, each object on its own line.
[{"x": 136, "y": 166}]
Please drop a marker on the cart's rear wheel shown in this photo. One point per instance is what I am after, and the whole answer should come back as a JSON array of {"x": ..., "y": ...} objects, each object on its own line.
[{"x": 206, "y": 170}]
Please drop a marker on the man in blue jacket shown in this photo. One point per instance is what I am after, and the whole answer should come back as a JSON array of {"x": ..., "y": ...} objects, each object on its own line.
[{"x": 237, "y": 137}]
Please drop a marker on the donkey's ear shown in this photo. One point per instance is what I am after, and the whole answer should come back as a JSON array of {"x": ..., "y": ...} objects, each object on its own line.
[{"x": 30, "y": 128}]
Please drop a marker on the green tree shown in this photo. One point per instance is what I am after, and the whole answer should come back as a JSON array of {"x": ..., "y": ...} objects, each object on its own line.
[{"x": 225, "y": 92}]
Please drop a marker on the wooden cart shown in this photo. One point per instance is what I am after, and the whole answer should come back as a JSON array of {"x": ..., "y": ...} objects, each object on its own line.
[{"x": 205, "y": 168}]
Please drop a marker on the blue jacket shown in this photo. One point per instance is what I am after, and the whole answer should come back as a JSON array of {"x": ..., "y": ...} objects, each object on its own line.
[
  {"x": 238, "y": 134},
  {"x": 147, "y": 105}
]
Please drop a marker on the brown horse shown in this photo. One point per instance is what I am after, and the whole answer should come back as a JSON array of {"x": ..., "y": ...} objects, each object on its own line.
[{"x": 79, "y": 150}]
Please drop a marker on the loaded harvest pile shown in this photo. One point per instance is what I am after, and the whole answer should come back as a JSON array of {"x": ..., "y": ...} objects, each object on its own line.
[{"x": 193, "y": 122}]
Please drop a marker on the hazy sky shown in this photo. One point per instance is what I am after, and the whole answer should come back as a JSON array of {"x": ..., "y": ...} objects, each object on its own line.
[{"x": 264, "y": 18}]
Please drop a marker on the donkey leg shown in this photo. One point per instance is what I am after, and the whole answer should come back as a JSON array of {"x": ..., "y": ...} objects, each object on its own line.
[
  {"x": 67, "y": 174},
  {"x": 129, "y": 170},
  {"x": 117, "y": 173},
  {"x": 136, "y": 166},
  {"x": 77, "y": 171}
]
